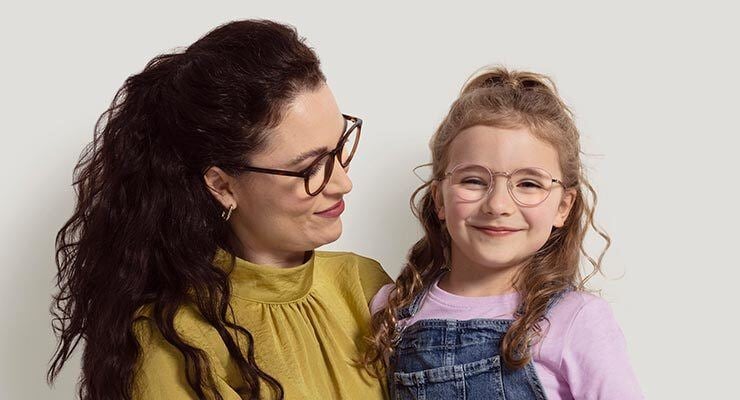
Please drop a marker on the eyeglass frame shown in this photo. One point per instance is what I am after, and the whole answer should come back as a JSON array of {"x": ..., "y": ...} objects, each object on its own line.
[
  {"x": 333, "y": 154},
  {"x": 508, "y": 181}
]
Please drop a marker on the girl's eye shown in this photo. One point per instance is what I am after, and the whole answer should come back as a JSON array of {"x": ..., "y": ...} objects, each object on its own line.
[
  {"x": 529, "y": 185},
  {"x": 473, "y": 181}
]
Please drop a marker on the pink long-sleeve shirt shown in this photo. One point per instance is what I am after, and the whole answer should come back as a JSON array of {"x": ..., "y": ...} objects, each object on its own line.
[{"x": 582, "y": 354}]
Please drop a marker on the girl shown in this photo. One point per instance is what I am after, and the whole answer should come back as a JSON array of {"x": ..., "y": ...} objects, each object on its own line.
[
  {"x": 188, "y": 269},
  {"x": 491, "y": 303}
]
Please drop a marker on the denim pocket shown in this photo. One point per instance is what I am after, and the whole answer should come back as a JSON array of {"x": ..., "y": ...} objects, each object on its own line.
[{"x": 471, "y": 381}]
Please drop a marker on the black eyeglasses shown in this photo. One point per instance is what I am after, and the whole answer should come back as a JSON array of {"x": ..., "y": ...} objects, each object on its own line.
[{"x": 317, "y": 175}]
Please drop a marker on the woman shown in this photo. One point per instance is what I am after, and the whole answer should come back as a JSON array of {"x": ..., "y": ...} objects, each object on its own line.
[{"x": 188, "y": 267}]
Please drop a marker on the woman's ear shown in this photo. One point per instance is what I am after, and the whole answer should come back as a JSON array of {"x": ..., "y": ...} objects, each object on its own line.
[
  {"x": 438, "y": 200},
  {"x": 566, "y": 204},
  {"x": 222, "y": 186}
]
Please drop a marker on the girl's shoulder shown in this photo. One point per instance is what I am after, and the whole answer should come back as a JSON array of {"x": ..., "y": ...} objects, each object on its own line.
[
  {"x": 580, "y": 317},
  {"x": 580, "y": 311},
  {"x": 575, "y": 301},
  {"x": 577, "y": 304},
  {"x": 572, "y": 305},
  {"x": 585, "y": 346},
  {"x": 380, "y": 299}
]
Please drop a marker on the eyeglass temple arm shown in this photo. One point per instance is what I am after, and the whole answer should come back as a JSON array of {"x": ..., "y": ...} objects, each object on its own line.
[{"x": 274, "y": 171}]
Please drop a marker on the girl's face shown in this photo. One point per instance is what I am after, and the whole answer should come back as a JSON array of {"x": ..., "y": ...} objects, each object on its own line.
[
  {"x": 496, "y": 232},
  {"x": 275, "y": 217}
]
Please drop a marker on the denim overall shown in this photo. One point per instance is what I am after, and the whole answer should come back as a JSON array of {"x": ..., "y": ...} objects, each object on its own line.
[{"x": 451, "y": 359}]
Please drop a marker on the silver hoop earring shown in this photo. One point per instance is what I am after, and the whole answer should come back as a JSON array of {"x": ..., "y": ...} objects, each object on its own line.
[{"x": 226, "y": 215}]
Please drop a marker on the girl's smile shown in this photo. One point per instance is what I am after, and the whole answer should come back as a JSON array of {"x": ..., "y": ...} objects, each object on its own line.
[{"x": 496, "y": 231}]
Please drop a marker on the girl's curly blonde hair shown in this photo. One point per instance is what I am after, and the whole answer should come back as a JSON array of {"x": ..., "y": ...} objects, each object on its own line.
[{"x": 497, "y": 97}]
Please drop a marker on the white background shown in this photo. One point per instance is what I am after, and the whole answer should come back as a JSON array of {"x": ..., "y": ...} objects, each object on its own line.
[{"x": 654, "y": 88}]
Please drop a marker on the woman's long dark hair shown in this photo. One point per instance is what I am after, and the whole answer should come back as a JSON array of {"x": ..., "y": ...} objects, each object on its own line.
[{"x": 145, "y": 228}]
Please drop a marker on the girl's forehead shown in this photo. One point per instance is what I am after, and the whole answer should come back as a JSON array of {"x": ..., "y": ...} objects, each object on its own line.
[{"x": 502, "y": 149}]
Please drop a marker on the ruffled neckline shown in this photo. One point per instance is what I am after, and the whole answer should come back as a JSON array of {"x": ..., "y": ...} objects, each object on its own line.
[{"x": 267, "y": 283}]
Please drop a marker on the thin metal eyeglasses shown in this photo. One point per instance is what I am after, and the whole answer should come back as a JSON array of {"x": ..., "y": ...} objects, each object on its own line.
[
  {"x": 528, "y": 187},
  {"x": 311, "y": 173}
]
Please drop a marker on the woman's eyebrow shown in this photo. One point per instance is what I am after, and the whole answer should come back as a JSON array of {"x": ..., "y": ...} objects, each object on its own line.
[
  {"x": 317, "y": 151},
  {"x": 308, "y": 154}
]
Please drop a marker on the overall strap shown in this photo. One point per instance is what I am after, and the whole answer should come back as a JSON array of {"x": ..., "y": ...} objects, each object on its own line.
[
  {"x": 404, "y": 313},
  {"x": 413, "y": 307}
]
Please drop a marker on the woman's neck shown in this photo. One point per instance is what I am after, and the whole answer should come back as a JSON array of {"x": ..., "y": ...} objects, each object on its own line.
[{"x": 271, "y": 257}]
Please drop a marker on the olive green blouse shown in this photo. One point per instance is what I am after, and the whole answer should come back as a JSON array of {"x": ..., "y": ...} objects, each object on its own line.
[{"x": 308, "y": 324}]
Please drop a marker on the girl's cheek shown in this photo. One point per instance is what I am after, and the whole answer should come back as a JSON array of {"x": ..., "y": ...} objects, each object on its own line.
[
  {"x": 457, "y": 210},
  {"x": 539, "y": 216}
]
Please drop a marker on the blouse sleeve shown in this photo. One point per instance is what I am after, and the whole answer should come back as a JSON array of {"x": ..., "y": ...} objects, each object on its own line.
[
  {"x": 594, "y": 360},
  {"x": 160, "y": 369}
]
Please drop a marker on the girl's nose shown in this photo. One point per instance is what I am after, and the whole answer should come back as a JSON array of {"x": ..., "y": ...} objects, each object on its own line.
[{"x": 499, "y": 201}]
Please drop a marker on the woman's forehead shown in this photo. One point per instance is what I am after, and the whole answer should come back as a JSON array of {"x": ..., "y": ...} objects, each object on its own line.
[{"x": 312, "y": 121}]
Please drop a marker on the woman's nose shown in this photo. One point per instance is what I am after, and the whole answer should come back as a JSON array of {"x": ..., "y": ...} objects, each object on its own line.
[{"x": 339, "y": 182}]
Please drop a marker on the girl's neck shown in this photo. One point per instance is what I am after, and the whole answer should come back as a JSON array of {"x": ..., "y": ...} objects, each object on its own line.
[{"x": 467, "y": 278}]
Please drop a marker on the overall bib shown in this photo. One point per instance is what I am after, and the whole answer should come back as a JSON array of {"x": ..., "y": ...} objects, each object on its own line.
[{"x": 450, "y": 359}]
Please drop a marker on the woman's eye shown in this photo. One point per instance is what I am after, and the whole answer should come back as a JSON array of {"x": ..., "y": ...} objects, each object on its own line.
[{"x": 314, "y": 170}]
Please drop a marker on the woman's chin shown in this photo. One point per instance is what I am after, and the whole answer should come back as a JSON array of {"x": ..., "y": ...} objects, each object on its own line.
[{"x": 328, "y": 234}]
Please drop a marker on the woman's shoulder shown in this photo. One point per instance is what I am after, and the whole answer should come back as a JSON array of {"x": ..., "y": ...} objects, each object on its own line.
[
  {"x": 160, "y": 366},
  {"x": 366, "y": 271},
  {"x": 186, "y": 317},
  {"x": 189, "y": 325},
  {"x": 349, "y": 261},
  {"x": 345, "y": 257}
]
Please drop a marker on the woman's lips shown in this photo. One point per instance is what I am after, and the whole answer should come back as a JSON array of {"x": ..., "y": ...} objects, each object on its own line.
[{"x": 333, "y": 212}]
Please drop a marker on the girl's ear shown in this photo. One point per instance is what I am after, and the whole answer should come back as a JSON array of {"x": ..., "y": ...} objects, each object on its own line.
[
  {"x": 566, "y": 203},
  {"x": 221, "y": 185},
  {"x": 439, "y": 205}
]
